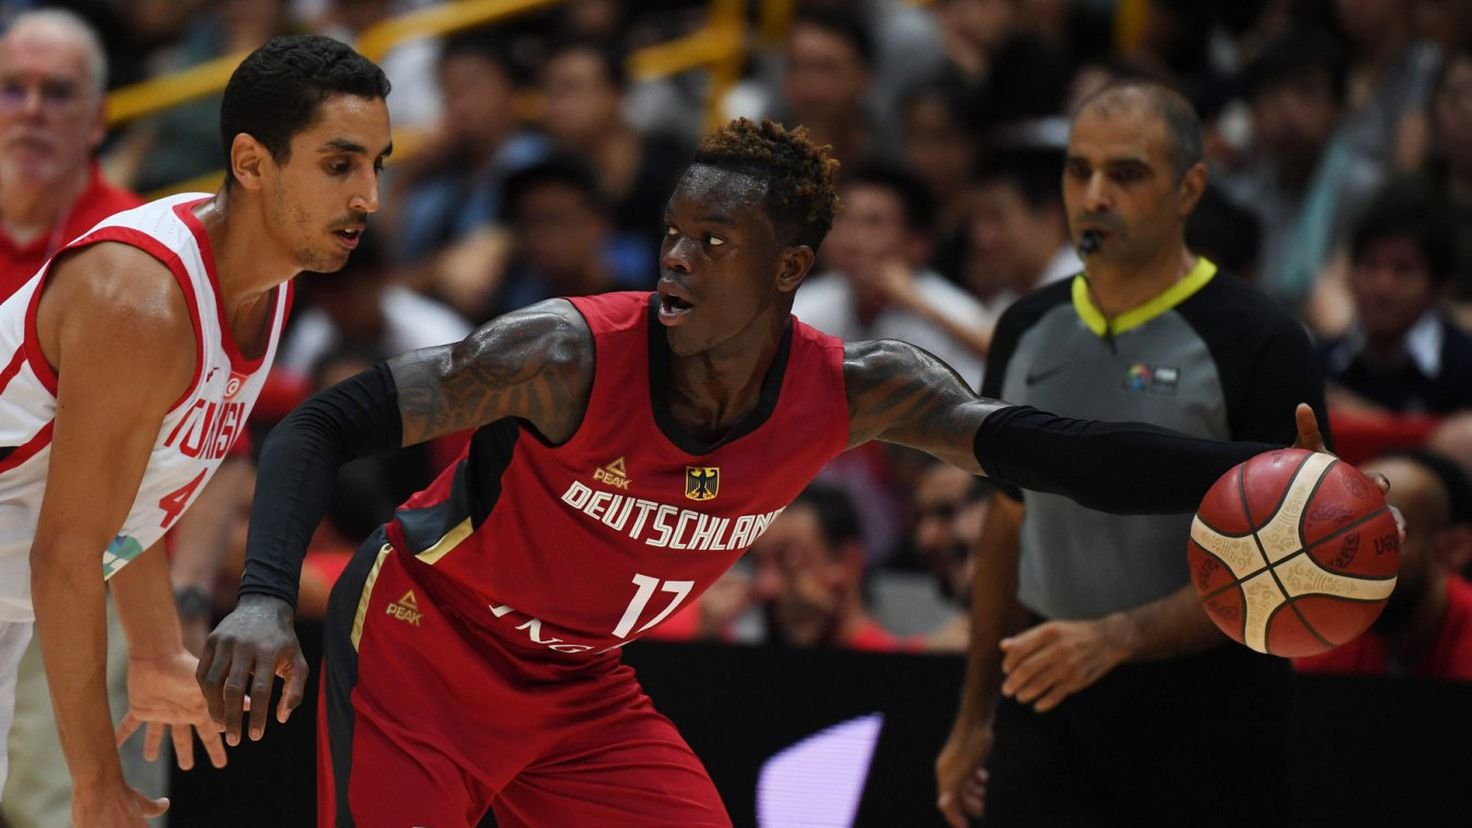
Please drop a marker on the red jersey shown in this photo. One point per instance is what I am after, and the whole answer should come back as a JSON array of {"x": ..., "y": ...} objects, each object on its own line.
[
  {"x": 584, "y": 546},
  {"x": 19, "y": 262},
  {"x": 1450, "y": 658}
]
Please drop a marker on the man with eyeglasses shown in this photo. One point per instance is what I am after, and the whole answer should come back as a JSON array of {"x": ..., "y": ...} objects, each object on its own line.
[{"x": 53, "y": 72}]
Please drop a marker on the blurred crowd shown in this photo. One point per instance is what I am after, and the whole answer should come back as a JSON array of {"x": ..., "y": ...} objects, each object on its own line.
[{"x": 533, "y": 164}]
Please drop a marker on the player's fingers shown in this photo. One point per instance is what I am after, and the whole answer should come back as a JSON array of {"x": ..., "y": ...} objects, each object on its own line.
[
  {"x": 973, "y": 800},
  {"x": 950, "y": 808},
  {"x": 296, "y": 686},
  {"x": 235, "y": 689},
  {"x": 152, "y": 738},
  {"x": 151, "y": 807},
  {"x": 214, "y": 745},
  {"x": 1309, "y": 436},
  {"x": 210, "y": 673},
  {"x": 260, "y": 693},
  {"x": 1400, "y": 522},
  {"x": 183, "y": 747},
  {"x": 1382, "y": 481},
  {"x": 126, "y": 728}
]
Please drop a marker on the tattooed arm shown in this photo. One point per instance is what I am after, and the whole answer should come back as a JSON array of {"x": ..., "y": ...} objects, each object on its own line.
[
  {"x": 900, "y": 394},
  {"x": 535, "y": 364}
]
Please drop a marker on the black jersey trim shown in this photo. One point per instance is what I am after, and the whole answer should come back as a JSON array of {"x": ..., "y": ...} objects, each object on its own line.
[
  {"x": 659, "y": 398},
  {"x": 474, "y": 490}
]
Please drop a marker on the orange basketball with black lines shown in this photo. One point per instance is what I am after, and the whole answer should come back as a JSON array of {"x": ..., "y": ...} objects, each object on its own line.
[{"x": 1294, "y": 552}]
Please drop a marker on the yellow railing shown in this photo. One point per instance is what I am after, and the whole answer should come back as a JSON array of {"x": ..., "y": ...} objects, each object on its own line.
[{"x": 719, "y": 46}]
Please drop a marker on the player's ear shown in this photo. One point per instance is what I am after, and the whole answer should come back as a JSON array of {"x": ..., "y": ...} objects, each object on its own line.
[
  {"x": 793, "y": 267},
  {"x": 248, "y": 158}
]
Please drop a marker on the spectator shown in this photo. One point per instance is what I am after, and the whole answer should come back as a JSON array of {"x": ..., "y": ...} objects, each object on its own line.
[
  {"x": 563, "y": 239},
  {"x": 451, "y": 191},
  {"x": 1086, "y": 731},
  {"x": 52, "y": 77},
  {"x": 583, "y": 88},
  {"x": 907, "y": 45},
  {"x": 950, "y": 508},
  {"x": 1402, "y": 352},
  {"x": 941, "y": 128},
  {"x": 182, "y": 142},
  {"x": 410, "y": 64},
  {"x": 826, "y": 85},
  {"x": 361, "y": 307},
  {"x": 1018, "y": 230},
  {"x": 809, "y": 576},
  {"x": 879, "y": 288},
  {"x": 1305, "y": 187},
  {"x": 1426, "y": 626},
  {"x": 973, "y": 31},
  {"x": 1450, "y": 162},
  {"x": 1390, "y": 76}
]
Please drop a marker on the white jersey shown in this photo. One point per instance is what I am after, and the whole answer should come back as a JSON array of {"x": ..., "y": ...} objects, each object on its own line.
[{"x": 196, "y": 434}]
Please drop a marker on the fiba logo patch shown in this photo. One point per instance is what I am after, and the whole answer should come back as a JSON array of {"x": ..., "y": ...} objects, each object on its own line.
[
  {"x": 702, "y": 482},
  {"x": 1156, "y": 379}
]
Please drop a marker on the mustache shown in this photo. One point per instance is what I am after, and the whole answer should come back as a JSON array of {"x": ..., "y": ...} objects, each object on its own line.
[
  {"x": 1105, "y": 221},
  {"x": 351, "y": 220}
]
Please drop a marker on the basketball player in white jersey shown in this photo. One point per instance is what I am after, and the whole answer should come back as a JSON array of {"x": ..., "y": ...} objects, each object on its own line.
[{"x": 128, "y": 366}]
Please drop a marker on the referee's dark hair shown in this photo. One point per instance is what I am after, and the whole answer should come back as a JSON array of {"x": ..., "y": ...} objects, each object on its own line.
[{"x": 1182, "y": 125}]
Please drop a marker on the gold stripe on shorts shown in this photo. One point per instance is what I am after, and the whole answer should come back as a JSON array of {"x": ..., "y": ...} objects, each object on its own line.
[{"x": 367, "y": 592}]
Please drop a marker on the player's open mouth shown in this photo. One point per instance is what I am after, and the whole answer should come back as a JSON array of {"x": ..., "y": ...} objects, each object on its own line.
[
  {"x": 349, "y": 236},
  {"x": 673, "y": 309}
]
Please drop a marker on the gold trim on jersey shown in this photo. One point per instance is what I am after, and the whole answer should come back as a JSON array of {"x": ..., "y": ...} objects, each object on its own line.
[
  {"x": 362, "y": 612},
  {"x": 1177, "y": 293},
  {"x": 450, "y": 540}
]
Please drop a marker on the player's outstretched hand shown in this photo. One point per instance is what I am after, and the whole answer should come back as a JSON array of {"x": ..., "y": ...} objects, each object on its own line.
[
  {"x": 242, "y": 657},
  {"x": 163, "y": 695},
  {"x": 1309, "y": 437}
]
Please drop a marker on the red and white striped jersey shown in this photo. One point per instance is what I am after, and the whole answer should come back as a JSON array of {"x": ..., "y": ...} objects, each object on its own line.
[{"x": 196, "y": 434}]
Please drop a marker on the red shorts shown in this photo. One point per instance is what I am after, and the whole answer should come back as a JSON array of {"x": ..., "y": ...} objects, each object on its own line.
[{"x": 428, "y": 721}]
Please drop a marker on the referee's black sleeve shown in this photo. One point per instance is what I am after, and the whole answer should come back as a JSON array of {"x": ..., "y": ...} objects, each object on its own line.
[
  {"x": 355, "y": 418},
  {"x": 1123, "y": 468}
]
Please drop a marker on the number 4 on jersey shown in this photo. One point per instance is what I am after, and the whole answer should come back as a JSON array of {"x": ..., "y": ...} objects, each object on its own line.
[
  {"x": 174, "y": 502},
  {"x": 646, "y": 586}
]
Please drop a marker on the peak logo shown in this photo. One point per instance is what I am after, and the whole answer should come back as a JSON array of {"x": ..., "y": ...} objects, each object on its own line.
[
  {"x": 614, "y": 474},
  {"x": 406, "y": 609}
]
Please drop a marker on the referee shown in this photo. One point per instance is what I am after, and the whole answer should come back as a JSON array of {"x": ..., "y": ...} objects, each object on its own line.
[{"x": 1097, "y": 691}]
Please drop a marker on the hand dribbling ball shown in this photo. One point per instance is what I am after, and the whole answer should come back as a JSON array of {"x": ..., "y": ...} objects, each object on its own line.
[{"x": 1294, "y": 552}]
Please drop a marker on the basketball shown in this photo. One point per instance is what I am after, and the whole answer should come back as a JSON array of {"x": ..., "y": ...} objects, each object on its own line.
[{"x": 1294, "y": 552}]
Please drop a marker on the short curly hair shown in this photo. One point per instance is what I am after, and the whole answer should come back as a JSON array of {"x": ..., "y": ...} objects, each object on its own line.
[{"x": 801, "y": 199}]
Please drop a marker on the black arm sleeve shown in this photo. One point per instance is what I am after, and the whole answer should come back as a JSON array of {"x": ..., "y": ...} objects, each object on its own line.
[
  {"x": 1123, "y": 468},
  {"x": 355, "y": 418}
]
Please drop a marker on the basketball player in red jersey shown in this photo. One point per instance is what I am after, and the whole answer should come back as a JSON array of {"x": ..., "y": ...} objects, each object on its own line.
[
  {"x": 629, "y": 447},
  {"x": 131, "y": 362}
]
